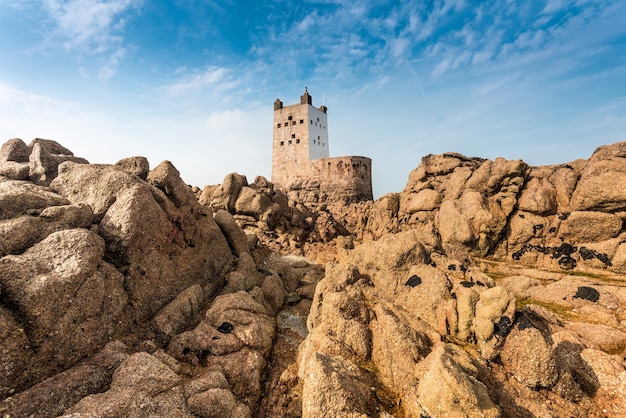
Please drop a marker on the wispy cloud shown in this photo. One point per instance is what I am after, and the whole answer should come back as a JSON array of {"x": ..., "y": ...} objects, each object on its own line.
[
  {"x": 90, "y": 27},
  {"x": 212, "y": 80}
]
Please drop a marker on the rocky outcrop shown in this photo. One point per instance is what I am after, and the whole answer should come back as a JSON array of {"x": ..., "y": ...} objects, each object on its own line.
[
  {"x": 279, "y": 222},
  {"x": 92, "y": 254},
  {"x": 37, "y": 161},
  {"x": 485, "y": 288},
  {"x": 558, "y": 217}
]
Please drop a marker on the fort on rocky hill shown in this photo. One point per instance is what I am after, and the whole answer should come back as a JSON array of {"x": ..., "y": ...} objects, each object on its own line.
[{"x": 300, "y": 155}]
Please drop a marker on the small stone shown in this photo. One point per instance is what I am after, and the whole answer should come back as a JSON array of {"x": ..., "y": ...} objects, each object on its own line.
[{"x": 293, "y": 298}]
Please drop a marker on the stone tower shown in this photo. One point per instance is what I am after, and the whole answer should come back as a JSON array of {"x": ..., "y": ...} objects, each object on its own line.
[
  {"x": 300, "y": 136},
  {"x": 301, "y": 165}
]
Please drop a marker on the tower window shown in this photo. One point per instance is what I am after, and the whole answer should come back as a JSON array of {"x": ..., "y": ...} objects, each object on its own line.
[
  {"x": 297, "y": 141},
  {"x": 301, "y": 121},
  {"x": 311, "y": 121},
  {"x": 293, "y": 135},
  {"x": 282, "y": 143},
  {"x": 293, "y": 123},
  {"x": 289, "y": 142},
  {"x": 313, "y": 142},
  {"x": 318, "y": 137},
  {"x": 290, "y": 118},
  {"x": 318, "y": 119},
  {"x": 278, "y": 126}
]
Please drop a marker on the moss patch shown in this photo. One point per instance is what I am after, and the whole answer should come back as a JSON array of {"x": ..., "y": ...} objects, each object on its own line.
[{"x": 552, "y": 307}]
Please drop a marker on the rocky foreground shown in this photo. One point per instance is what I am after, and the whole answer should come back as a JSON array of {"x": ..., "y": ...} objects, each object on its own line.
[{"x": 485, "y": 288}]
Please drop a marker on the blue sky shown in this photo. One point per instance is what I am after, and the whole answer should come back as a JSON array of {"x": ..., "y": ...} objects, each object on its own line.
[{"x": 194, "y": 82}]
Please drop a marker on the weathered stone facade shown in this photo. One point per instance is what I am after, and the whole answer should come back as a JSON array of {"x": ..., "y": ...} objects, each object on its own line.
[{"x": 300, "y": 155}]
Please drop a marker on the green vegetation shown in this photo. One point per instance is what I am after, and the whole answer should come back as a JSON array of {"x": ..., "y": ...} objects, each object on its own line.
[{"x": 565, "y": 311}]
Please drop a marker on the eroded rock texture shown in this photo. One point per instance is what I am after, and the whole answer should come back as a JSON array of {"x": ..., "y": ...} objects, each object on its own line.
[{"x": 485, "y": 288}]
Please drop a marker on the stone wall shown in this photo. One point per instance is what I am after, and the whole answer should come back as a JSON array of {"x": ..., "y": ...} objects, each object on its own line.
[{"x": 344, "y": 178}]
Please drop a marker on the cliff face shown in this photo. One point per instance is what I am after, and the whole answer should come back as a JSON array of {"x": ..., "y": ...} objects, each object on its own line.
[{"x": 485, "y": 288}]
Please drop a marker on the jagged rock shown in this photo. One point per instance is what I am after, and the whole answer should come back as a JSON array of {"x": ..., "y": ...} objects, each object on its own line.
[
  {"x": 538, "y": 197},
  {"x": 381, "y": 217},
  {"x": 14, "y": 150},
  {"x": 175, "y": 316},
  {"x": 564, "y": 180},
  {"x": 217, "y": 403},
  {"x": 17, "y": 234},
  {"x": 141, "y": 386},
  {"x": 16, "y": 354},
  {"x": 167, "y": 178},
  {"x": 235, "y": 337},
  {"x": 450, "y": 386},
  {"x": 590, "y": 226},
  {"x": 244, "y": 370},
  {"x": 117, "y": 251},
  {"x": 71, "y": 302},
  {"x": 14, "y": 159},
  {"x": 234, "y": 234},
  {"x": 146, "y": 234},
  {"x": 225, "y": 195},
  {"x": 605, "y": 167},
  {"x": 529, "y": 357},
  {"x": 397, "y": 349},
  {"x": 495, "y": 312},
  {"x": 466, "y": 299},
  {"x": 339, "y": 325},
  {"x": 20, "y": 197},
  {"x": 251, "y": 202},
  {"x": 136, "y": 166},
  {"x": 336, "y": 387},
  {"x": 45, "y": 158},
  {"x": 471, "y": 221},
  {"x": 611, "y": 379},
  {"x": 424, "y": 200},
  {"x": 274, "y": 292},
  {"x": 54, "y": 395},
  {"x": 36, "y": 162},
  {"x": 213, "y": 379}
]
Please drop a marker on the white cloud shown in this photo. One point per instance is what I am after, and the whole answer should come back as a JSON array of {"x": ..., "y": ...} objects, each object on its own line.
[
  {"x": 203, "y": 148},
  {"x": 214, "y": 79},
  {"x": 553, "y": 6},
  {"x": 88, "y": 24},
  {"x": 90, "y": 27},
  {"x": 399, "y": 47}
]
